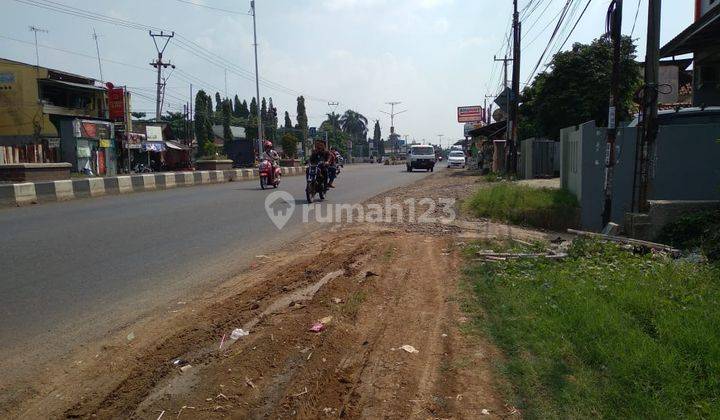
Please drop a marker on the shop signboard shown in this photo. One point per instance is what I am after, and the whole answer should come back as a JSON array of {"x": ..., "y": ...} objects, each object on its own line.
[
  {"x": 116, "y": 103},
  {"x": 470, "y": 113}
]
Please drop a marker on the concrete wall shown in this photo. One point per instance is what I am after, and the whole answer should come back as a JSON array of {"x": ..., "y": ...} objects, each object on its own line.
[{"x": 686, "y": 167}]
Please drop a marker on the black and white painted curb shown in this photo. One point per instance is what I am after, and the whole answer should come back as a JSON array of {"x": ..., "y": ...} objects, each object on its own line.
[{"x": 12, "y": 195}]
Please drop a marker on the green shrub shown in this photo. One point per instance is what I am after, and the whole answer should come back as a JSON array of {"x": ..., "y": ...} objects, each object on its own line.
[
  {"x": 519, "y": 204},
  {"x": 699, "y": 230}
]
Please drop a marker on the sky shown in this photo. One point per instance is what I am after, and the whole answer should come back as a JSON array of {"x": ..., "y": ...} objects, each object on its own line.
[{"x": 431, "y": 55}]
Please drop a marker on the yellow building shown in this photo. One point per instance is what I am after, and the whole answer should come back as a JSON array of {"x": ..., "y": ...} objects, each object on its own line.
[{"x": 46, "y": 116}]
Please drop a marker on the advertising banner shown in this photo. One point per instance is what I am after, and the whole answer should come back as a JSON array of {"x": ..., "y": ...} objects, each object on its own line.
[
  {"x": 116, "y": 103},
  {"x": 470, "y": 113}
]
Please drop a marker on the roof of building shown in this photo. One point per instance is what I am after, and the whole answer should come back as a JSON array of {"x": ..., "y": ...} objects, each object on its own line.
[
  {"x": 57, "y": 74},
  {"x": 701, "y": 35},
  {"x": 237, "y": 132},
  {"x": 490, "y": 130}
]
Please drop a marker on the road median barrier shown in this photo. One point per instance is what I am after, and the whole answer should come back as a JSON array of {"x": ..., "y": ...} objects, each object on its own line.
[{"x": 25, "y": 193}]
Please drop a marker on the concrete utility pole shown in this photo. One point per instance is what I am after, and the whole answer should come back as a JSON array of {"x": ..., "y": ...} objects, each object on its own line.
[
  {"x": 159, "y": 65},
  {"x": 257, "y": 82},
  {"x": 97, "y": 48},
  {"x": 35, "y": 30},
  {"x": 647, "y": 119},
  {"x": 508, "y": 129},
  {"x": 615, "y": 20},
  {"x": 515, "y": 98},
  {"x": 191, "y": 117}
]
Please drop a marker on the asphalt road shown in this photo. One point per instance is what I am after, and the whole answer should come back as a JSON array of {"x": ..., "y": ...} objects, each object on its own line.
[{"x": 70, "y": 272}]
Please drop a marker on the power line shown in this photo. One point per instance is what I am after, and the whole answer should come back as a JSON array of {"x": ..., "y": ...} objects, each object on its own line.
[
  {"x": 181, "y": 41},
  {"x": 552, "y": 37},
  {"x": 219, "y": 9}
]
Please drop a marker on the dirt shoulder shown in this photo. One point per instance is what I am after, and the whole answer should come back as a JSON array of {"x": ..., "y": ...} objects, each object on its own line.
[{"x": 384, "y": 286}]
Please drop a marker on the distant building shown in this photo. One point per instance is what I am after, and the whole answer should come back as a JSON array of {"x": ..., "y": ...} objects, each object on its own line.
[
  {"x": 49, "y": 116},
  {"x": 702, "y": 40}
]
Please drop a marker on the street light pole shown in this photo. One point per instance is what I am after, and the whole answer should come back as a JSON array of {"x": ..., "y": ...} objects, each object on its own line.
[{"x": 257, "y": 81}]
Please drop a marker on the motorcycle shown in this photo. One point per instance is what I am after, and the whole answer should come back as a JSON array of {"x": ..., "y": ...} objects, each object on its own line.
[
  {"x": 269, "y": 176},
  {"x": 315, "y": 183},
  {"x": 142, "y": 169}
]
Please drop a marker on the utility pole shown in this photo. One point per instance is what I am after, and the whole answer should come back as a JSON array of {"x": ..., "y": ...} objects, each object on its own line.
[
  {"x": 615, "y": 20},
  {"x": 515, "y": 98},
  {"x": 35, "y": 30},
  {"x": 647, "y": 119},
  {"x": 508, "y": 132},
  {"x": 191, "y": 117},
  {"x": 226, "y": 91},
  {"x": 159, "y": 65},
  {"x": 257, "y": 82},
  {"x": 97, "y": 48}
]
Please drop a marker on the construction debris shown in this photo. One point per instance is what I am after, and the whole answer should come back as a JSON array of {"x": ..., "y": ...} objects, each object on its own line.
[
  {"x": 237, "y": 333},
  {"x": 410, "y": 349},
  {"x": 502, "y": 256},
  {"x": 630, "y": 241}
]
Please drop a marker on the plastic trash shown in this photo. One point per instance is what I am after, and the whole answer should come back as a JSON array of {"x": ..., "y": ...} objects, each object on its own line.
[
  {"x": 410, "y": 349},
  {"x": 237, "y": 333},
  {"x": 317, "y": 327}
]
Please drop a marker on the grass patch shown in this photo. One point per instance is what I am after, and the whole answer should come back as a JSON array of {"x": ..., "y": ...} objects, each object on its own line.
[
  {"x": 523, "y": 205},
  {"x": 603, "y": 333},
  {"x": 352, "y": 306}
]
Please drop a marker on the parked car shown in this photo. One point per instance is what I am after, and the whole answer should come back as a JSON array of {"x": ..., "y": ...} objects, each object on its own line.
[
  {"x": 421, "y": 156},
  {"x": 456, "y": 159}
]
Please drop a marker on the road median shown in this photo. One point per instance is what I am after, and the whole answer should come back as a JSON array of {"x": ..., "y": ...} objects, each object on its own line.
[{"x": 27, "y": 193}]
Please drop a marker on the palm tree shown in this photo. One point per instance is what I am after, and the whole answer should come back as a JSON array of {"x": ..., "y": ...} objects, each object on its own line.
[
  {"x": 354, "y": 123},
  {"x": 332, "y": 122}
]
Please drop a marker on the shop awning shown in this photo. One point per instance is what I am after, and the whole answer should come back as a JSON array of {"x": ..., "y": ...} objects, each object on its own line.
[
  {"x": 490, "y": 130},
  {"x": 71, "y": 84},
  {"x": 153, "y": 146},
  {"x": 175, "y": 146},
  {"x": 701, "y": 35}
]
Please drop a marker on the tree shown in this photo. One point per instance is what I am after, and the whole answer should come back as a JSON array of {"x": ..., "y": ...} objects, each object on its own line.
[
  {"x": 203, "y": 124},
  {"x": 244, "y": 110},
  {"x": 355, "y": 125},
  {"x": 264, "y": 111},
  {"x": 289, "y": 145},
  {"x": 218, "y": 102},
  {"x": 577, "y": 89},
  {"x": 288, "y": 121},
  {"x": 237, "y": 111},
  {"x": 177, "y": 123},
  {"x": 302, "y": 120},
  {"x": 226, "y": 117},
  {"x": 377, "y": 138},
  {"x": 138, "y": 115},
  {"x": 332, "y": 121},
  {"x": 253, "y": 109}
]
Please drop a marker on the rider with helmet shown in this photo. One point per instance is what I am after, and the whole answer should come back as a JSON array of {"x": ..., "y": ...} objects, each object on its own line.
[
  {"x": 271, "y": 155},
  {"x": 321, "y": 157}
]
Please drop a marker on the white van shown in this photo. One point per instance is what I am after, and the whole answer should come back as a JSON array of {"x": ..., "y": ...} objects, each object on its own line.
[{"x": 421, "y": 156}]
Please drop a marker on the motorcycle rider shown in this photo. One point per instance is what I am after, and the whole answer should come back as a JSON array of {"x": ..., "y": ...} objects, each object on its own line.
[
  {"x": 333, "y": 169},
  {"x": 321, "y": 157},
  {"x": 272, "y": 156}
]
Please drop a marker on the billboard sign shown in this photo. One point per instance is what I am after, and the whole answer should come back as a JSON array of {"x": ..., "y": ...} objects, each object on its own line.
[
  {"x": 469, "y": 126},
  {"x": 116, "y": 103},
  {"x": 470, "y": 113},
  {"x": 153, "y": 133}
]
